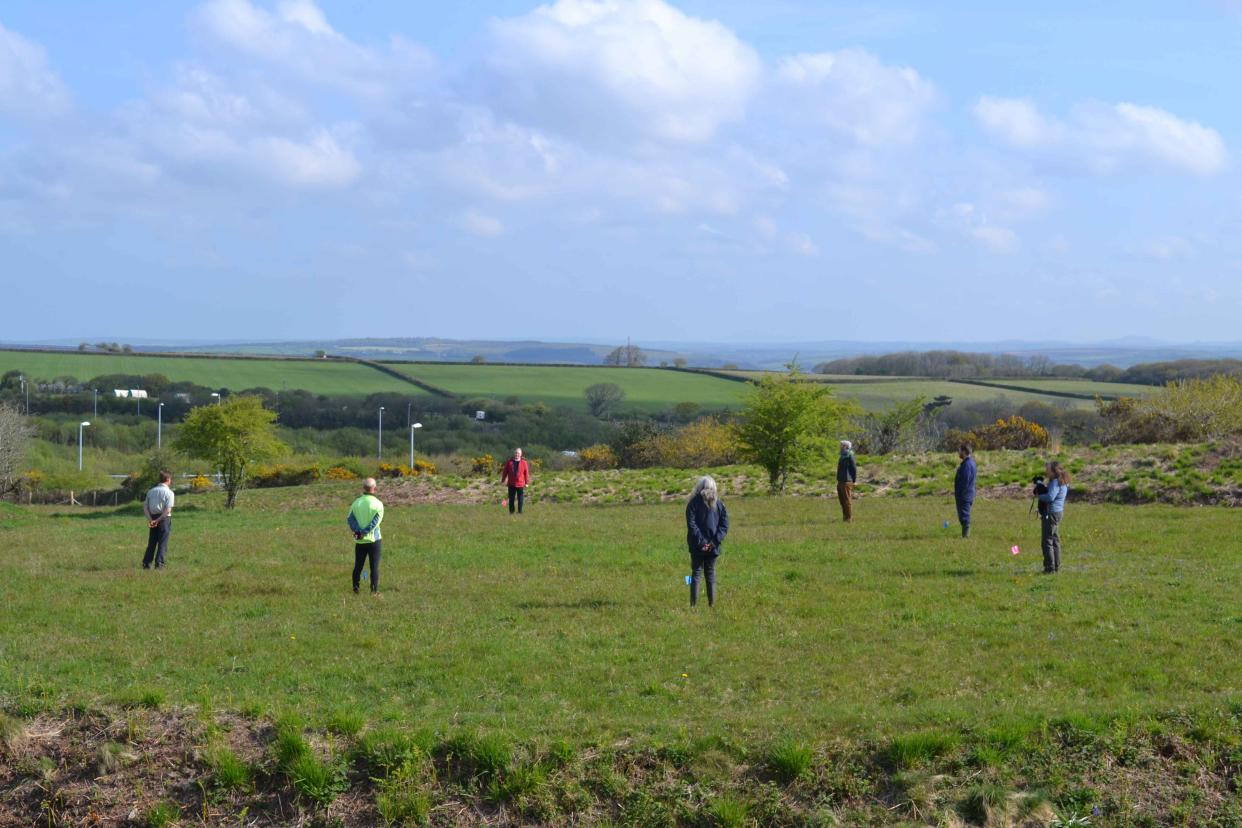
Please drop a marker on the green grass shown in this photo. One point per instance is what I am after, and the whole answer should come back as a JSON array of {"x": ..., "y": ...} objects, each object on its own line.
[
  {"x": 326, "y": 377},
  {"x": 573, "y": 621},
  {"x": 648, "y": 389}
]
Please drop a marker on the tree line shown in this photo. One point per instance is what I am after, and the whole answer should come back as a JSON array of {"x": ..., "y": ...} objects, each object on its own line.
[{"x": 968, "y": 365}]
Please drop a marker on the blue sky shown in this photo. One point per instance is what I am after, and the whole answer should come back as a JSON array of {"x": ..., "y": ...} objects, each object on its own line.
[{"x": 596, "y": 169}]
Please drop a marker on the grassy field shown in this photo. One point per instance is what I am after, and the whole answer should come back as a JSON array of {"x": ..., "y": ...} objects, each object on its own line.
[
  {"x": 1079, "y": 386},
  {"x": 546, "y": 670},
  {"x": 572, "y": 621},
  {"x": 327, "y": 377},
  {"x": 645, "y": 388}
]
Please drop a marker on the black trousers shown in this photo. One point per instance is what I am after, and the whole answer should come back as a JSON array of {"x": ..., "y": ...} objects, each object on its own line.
[
  {"x": 362, "y": 551},
  {"x": 517, "y": 495},
  {"x": 702, "y": 564},
  {"x": 157, "y": 543}
]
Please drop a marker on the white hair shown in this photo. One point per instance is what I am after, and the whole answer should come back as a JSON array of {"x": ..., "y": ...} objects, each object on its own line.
[
  {"x": 368, "y": 485},
  {"x": 847, "y": 444},
  {"x": 706, "y": 489}
]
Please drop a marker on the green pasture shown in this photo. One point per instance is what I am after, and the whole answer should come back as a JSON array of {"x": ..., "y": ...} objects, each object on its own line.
[
  {"x": 572, "y": 620},
  {"x": 1078, "y": 386},
  {"x": 326, "y": 377},
  {"x": 650, "y": 389}
]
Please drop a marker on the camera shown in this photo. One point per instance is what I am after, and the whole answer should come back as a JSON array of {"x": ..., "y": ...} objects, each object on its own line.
[{"x": 1040, "y": 488}]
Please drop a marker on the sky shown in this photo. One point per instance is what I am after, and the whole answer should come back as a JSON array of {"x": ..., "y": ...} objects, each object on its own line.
[{"x": 730, "y": 171}]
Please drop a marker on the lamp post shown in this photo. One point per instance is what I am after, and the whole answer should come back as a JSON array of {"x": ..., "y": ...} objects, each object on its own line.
[
  {"x": 217, "y": 396},
  {"x": 412, "y": 427},
  {"x": 95, "y": 403},
  {"x": 81, "y": 426},
  {"x": 379, "y": 451},
  {"x": 159, "y": 427},
  {"x": 26, "y": 391}
]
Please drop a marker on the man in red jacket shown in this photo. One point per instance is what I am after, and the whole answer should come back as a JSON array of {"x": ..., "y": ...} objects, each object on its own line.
[{"x": 517, "y": 474}]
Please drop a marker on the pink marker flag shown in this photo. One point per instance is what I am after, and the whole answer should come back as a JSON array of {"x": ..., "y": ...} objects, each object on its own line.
[{"x": 1014, "y": 550}]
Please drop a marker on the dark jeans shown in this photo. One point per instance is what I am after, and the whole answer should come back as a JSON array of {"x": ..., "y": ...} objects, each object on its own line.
[
  {"x": 157, "y": 543},
  {"x": 1050, "y": 541},
  {"x": 963, "y": 515},
  {"x": 516, "y": 494},
  {"x": 703, "y": 563},
  {"x": 362, "y": 551}
]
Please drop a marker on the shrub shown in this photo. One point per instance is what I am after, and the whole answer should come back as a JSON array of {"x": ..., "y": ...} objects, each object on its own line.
[
  {"x": 285, "y": 474},
  {"x": 484, "y": 465},
  {"x": 705, "y": 442},
  {"x": 598, "y": 457},
  {"x": 339, "y": 473},
  {"x": 1013, "y": 433},
  {"x": 201, "y": 483}
]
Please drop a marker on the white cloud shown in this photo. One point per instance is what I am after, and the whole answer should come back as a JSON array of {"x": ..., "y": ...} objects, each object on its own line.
[
  {"x": 317, "y": 161},
  {"x": 853, "y": 93},
  {"x": 1106, "y": 137},
  {"x": 481, "y": 224},
  {"x": 1017, "y": 122},
  {"x": 28, "y": 85},
  {"x": 974, "y": 223},
  {"x": 599, "y": 69},
  {"x": 297, "y": 37}
]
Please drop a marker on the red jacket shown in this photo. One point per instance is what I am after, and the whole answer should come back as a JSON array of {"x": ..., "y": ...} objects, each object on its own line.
[{"x": 518, "y": 477}]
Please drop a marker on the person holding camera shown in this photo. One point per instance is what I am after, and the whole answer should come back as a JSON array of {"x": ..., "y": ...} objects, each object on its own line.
[
  {"x": 1051, "y": 498},
  {"x": 964, "y": 486}
]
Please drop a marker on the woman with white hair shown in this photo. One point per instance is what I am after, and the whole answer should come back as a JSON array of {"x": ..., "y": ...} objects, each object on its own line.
[{"x": 707, "y": 523}]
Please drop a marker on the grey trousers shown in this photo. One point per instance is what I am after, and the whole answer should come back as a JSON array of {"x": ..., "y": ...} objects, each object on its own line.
[
  {"x": 1050, "y": 541},
  {"x": 702, "y": 567}
]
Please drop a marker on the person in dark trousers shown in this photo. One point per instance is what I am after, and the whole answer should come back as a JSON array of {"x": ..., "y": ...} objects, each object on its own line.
[
  {"x": 1054, "y": 496},
  {"x": 964, "y": 486},
  {"x": 847, "y": 476},
  {"x": 365, "y": 516},
  {"x": 158, "y": 507},
  {"x": 516, "y": 473},
  {"x": 707, "y": 523}
]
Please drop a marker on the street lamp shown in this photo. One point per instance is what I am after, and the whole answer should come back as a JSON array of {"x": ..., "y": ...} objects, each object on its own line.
[
  {"x": 81, "y": 426},
  {"x": 95, "y": 403},
  {"x": 412, "y": 427},
  {"x": 217, "y": 396},
  {"x": 159, "y": 428},
  {"x": 26, "y": 391},
  {"x": 379, "y": 452}
]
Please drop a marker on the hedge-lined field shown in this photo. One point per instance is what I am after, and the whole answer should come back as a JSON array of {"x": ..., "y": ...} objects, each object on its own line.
[
  {"x": 649, "y": 389},
  {"x": 319, "y": 377}
]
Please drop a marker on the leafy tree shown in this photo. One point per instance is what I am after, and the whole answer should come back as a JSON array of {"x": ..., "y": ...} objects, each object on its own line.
[
  {"x": 679, "y": 362},
  {"x": 897, "y": 428},
  {"x": 602, "y": 398},
  {"x": 15, "y": 434},
  {"x": 234, "y": 435},
  {"x": 631, "y": 356},
  {"x": 478, "y": 359},
  {"x": 787, "y": 423}
]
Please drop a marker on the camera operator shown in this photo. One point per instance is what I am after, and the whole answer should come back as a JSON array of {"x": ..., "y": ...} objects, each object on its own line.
[{"x": 1051, "y": 499}]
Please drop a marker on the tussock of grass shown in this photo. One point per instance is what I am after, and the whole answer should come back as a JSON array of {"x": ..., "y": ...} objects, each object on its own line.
[
  {"x": 401, "y": 798},
  {"x": 318, "y": 781},
  {"x": 477, "y": 756},
  {"x": 919, "y": 748},
  {"x": 789, "y": 760},
  {"x": 228, "y": 771},
  {"x": 162, "y": 815},
  {"x": 385, "y": 751}
]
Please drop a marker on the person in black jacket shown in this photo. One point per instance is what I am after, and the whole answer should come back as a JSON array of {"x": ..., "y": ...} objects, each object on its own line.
[
  {"x": 707, "y": 523},
  {"x": 964, "y": 486}
]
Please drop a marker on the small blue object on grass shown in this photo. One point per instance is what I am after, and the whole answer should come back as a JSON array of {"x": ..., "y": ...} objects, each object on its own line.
[
  {"x": 688, "y": 579},
  {"x": 946, "y": 524}
]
